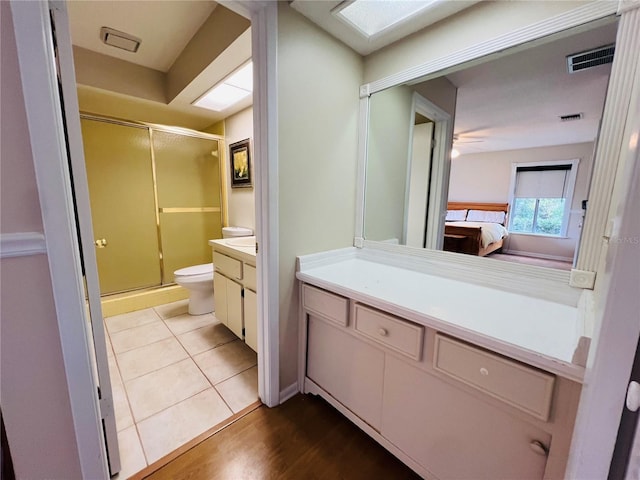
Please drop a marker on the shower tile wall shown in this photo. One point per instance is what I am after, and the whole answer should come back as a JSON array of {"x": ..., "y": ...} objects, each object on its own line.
[{"x": 174, "y": 376}]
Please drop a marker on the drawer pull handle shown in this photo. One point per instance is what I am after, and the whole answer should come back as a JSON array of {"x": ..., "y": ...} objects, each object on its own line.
[
  {"x": 383, "y": 332},
  {"x": 484, "y": 372},
  {"x": 538, "y": 447}
]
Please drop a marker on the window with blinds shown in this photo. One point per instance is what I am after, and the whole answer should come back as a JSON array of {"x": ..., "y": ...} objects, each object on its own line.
[{"x": 541, "y": 197}]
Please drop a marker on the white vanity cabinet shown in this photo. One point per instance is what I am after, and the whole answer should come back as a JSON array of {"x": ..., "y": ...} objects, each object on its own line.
[
  {"x": 448, "y": 408},
  {"x": 234, "y": 290}
]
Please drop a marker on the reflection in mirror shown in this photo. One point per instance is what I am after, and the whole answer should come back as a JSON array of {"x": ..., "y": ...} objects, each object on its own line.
[{"x": 514, "y": 171}]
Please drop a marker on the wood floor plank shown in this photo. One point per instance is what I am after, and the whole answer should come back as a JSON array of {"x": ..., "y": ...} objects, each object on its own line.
[{"x": 304, "y": 438}]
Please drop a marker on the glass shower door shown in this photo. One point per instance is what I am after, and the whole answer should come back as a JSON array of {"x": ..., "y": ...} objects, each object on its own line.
[
  {"x": 120, "y": 178},
  {"x": 189, "y": 203}
]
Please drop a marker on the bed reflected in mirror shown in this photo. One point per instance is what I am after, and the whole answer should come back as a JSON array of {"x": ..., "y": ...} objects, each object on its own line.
[{"x": 512, "y": 179}]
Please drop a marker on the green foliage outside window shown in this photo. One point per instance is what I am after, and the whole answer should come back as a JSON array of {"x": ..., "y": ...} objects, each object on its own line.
[{"x": 537, "y": 215}]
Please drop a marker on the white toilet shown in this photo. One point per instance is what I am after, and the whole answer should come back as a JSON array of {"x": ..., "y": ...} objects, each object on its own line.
[{"x": 198, "y": 279}]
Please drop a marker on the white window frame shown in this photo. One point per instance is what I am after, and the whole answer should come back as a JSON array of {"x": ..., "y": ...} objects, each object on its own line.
[{"x": 573, "y": 175}]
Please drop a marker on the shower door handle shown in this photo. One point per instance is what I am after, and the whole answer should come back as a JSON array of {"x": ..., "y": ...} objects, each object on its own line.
[{"x": 101, "y": 242}]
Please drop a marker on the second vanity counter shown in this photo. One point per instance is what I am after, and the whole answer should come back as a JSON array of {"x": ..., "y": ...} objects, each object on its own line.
[{"x": 541, "y": 333}]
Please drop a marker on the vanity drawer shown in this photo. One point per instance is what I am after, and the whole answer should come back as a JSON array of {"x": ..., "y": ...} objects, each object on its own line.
[
  {"x": 521, "y": 386},
  {"x": 399, "y": 335},
  {"x": 227, "y": 265},
  {"x": 250, "y": 277},
  {"x": 327, "y": 305}
]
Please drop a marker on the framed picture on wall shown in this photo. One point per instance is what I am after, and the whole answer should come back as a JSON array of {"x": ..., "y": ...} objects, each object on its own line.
[{"x": 240, "y": 158}]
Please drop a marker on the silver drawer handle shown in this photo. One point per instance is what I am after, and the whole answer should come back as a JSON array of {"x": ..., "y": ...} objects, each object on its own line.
[
  {"x": 383, "y": 332},
  {"x": 538, "y": 447},
  {"x": 484, "y": 371}
]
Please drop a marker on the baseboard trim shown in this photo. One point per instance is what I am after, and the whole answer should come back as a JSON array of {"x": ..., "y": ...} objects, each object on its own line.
[
  {"x": 22, "y": 244},
  {"x": 538, "y": 255},
  {"x": 289, "y": 392}
]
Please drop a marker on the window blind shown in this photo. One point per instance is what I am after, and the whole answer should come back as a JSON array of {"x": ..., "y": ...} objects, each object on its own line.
[{"x": 542, "y": 182}]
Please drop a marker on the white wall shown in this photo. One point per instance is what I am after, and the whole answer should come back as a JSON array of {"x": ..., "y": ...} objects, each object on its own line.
[
  {"x": 486, "y": 177},
  {"x": 318, "y": 82},
  {"x": 241, "y": 201},
  {"x": 33, "y": 386}
]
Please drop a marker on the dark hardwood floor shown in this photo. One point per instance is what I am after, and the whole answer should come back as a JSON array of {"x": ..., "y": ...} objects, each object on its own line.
[{"x": 305, "y": 438}]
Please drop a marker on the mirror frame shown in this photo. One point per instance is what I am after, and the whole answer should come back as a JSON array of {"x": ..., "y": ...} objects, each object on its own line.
[{"x": 609, "y": 157}]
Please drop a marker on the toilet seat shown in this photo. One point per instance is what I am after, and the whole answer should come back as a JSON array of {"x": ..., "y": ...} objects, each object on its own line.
[{"x": 204, "y": 269}]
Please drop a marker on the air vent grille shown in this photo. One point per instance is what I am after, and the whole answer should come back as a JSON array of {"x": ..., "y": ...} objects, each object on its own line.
[
  {"x": 573, "y": 116},
  {"x": 117, "y": 39},
  {"x": 590, "y": 58}
]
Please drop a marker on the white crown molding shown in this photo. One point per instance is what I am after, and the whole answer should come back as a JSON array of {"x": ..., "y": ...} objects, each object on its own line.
[
  {"x": 22, "y": 244},
  {"x": 579, "y": 16}
]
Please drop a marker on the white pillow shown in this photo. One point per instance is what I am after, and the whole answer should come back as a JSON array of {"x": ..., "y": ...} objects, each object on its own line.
[
  {"x": 485, "y": 216},
  {"x": 456, "y": 215}
]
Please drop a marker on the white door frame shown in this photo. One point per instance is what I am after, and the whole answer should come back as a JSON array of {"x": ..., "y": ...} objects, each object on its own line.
[{"x": 46, "y": 130}]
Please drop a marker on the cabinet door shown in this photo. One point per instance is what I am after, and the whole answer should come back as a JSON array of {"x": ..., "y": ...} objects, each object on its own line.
[
  {"x": 220, "y": 297},
  {"x": 454, "y": 434},
  {"x": 251, "y": 319},
  {"x": 349, "y": 369},
  {"x": 234, "y": 307}
]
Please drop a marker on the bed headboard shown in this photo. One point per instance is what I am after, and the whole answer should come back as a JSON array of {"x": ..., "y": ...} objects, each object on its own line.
[{"x": 489, "y": 207}]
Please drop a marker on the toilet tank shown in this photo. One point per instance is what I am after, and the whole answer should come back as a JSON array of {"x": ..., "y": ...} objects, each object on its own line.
[{"x": 228, "y": 232}]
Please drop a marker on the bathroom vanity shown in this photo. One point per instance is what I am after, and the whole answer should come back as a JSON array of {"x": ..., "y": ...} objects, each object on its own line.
[
  {"x": 438, "y": 371},
  {"x": 234, "y": 286}
]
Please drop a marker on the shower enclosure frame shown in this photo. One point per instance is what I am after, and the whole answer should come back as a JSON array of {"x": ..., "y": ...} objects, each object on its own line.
[{"x": 222, "y": 171}]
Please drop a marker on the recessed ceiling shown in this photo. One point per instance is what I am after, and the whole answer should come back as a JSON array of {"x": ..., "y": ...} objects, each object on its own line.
[
  {"x": 186, "y": 48},
  {"x": 320, "y": 13},
  {"x": 165, "y": 27}
]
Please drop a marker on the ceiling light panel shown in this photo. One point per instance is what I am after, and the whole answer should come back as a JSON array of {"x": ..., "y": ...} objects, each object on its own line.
[
  {"x": 372, "y": 17},
  {"x": 235, "y": 88}
]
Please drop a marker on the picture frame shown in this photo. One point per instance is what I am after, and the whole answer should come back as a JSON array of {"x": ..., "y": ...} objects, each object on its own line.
[{"x": 240, "y": 160}]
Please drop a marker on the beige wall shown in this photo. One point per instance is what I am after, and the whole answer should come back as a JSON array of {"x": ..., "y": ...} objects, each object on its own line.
[
  {"x": 241, "y": 201},
  {"x": 483, "y": 21},
  {"x": 318, "y": 80},
  {"x": 33, "y": 386},
  {"x": 388, "y": 155},
  {"x": 486, "y": 177}
]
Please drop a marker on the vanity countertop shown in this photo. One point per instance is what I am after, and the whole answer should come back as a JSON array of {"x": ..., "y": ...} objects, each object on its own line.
[
  {"x": 244, "y": 253},
  {"x": 535, "y": 331}
]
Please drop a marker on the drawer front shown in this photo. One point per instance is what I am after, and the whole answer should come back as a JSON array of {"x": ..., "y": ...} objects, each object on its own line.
[
  {"x": 249, "y": 273},
  {"x": 399, "y": 335},
  {"x": 227, "y": 265},
  {"x": 523, "y": 387},
  {"x": 326, "y": 305}
]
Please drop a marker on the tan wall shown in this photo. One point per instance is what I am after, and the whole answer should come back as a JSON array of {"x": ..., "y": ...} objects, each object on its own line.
[
  {"x": 33, "y": 386},
  {"x": 241, "y": 201},
  {"x": 105, "y": 103},
  {"x": 388, "y": 155},
  {"x": 114, "y": 74},
  {"x": 318, "y": 80},
  {"x": 483, "y": 21},
  {"x": 486, "y": 177}
]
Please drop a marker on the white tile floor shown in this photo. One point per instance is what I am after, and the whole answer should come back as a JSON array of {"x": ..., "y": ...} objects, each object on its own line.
[{"x": 174, "y": 376}]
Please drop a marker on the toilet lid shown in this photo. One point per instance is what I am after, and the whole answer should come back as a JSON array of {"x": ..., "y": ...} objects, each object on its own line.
[{"x": 195, "y": 269}]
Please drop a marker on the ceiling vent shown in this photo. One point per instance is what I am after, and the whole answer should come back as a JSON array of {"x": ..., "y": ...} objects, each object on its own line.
[
  {"x": 590, "y": 58},
  {"x": 117, "y": 39},
  {"x": 569, "y": 118}
]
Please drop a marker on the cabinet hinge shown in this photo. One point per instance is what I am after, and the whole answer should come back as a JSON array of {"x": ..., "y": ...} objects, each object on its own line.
[
  {"x": 242, "y": 293},
  {"x": 243, "y": 331}
]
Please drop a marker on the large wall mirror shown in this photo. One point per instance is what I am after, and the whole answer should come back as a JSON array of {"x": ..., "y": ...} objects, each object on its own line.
[{"x": 494, "y": 157}]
